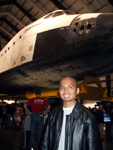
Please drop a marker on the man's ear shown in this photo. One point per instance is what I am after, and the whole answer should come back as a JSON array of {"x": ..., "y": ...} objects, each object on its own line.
[{"x": 77, "y": 91}]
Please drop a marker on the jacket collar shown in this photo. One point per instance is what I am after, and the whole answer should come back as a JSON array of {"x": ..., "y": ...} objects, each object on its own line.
[{"x": 76, "y": 110}]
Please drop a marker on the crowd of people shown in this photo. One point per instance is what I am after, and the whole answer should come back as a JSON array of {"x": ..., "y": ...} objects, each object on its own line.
[
  {"x": 69, "y": 125},
  {"x": 11, "y": 116}
]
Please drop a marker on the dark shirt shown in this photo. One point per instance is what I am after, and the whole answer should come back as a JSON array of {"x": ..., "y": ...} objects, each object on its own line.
[
  {"x": 10, "y": 110},
  {"x": 112, "y": 117},
  {"x": 55, "y": 104},
  {"x": 1, "y": 111},
  {"x": 99, "y": 116}
]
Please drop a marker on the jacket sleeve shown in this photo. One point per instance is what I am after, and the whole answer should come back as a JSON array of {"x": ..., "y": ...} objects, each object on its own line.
[
  {"x": 93, "y": 139},
  {"x": 44, "y": 141}
]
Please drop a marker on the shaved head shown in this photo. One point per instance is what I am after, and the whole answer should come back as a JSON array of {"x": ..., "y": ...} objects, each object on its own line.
[{"x": 69, "y": 78}]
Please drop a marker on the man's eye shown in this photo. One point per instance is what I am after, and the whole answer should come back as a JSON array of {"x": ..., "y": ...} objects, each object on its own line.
[
  {"x": 61, "y": 88},
  {"x": 70, "y": 87}
]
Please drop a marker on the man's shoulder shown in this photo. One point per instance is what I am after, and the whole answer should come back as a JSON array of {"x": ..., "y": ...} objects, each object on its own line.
[
  {"x": 56, "y": 110},
  {"x": 98, "y": 111},
  {"x": 84, "y": 111},
  {"x": 41, "y": 98}
]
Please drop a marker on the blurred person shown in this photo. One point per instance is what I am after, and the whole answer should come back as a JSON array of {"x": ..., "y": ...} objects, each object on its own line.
[
  {"x": 46, "y": 114},
  {"x": 112, "y": 124},
  {"x": 71, "y": 126},
  {"x": 27, "y": 129},
  {"x": 21, "y": 105},
  {"x": 37, "y": 118},
  {"x": 1, "y": 111},
  {"x": 4, "y": 105},
  {"x": 1, "y": 115},
  {"x": 19, "y": 111},
  {"x": 13, "y": 115},
  {"x": 94, "y": 111},
  {"x": 100, "y": 120},
  {"x": 55, "y": 104},
  {"x": 8, "y": 115},
  {"x": 89, "y": 108}
]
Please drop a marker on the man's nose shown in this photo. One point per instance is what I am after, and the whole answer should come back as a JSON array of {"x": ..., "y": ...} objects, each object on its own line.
[{"x": 65, "y": 90}]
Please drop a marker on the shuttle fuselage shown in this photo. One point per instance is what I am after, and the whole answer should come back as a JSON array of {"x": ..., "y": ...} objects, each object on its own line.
[{"x": 57, "y": 45}]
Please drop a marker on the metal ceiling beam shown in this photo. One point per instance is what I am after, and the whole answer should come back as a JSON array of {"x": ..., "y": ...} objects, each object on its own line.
[
  {"x": 58, "y": 4},
  {"x": 5, "y": 37},
  {"x": 111, "y": 2},
  {"x": 25, "y": 12},
  {"x": 6, "y": 32},
  {"x": 39, "y": 7},
  {"x": 20, "y": 8},
  {"x": 10, "y": 24},
  {"x": 15, "y": 18},
  {"x": 85, "y": 5}
]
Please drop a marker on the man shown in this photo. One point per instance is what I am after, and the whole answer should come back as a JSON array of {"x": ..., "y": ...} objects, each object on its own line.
[
  {"x": 71, "y": 126},
  {"x": 100, "y": 120},
  {"x": 37, "y": 118},
  {"x": 1, "y": 114},
  {"x": 112, "y": 125},
  {"x": 4, "y": 109},
  {"x": 8, "y": 116}
]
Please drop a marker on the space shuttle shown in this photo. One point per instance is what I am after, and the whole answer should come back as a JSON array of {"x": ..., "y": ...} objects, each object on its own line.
[{"x": 59, "y": 44}]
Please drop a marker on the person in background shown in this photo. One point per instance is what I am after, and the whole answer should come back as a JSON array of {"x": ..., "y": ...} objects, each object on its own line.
[
  {"x": 71, "y": 126},
  {"x": 55, "y": 104},
  {"x": 22, "y": 115},
  {"x": 37, "y": 118},
  {"x": 13, "y": 115},
  {"x": 100, "y": 120},
  {"x": 112, "y": 124},
  {"x": 18, "y": 117},
  {"x": 94, "y": 111},
  {"x": 8, "y": 116},
  {"x": 1, "y": 114},
  {"x": 27, "y": 129},
  {"x": 4, "y": 108}
]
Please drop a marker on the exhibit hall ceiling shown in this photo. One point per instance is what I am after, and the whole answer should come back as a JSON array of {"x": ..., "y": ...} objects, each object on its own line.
[{"x": 15, "y": 15}]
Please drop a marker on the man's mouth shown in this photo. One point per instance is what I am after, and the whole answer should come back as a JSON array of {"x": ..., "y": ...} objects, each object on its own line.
[{"x": 66, "y": 96}]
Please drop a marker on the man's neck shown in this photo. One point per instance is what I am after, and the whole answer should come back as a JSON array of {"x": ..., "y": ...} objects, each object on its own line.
[{"x": 69, "y": 104}]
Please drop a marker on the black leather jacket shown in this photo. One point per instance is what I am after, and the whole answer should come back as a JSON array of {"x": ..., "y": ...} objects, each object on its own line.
[{"x": 81, "y": 130}]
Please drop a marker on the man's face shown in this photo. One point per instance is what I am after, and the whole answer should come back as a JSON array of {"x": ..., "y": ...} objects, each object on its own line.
[
  {"x": 101, "y": 107},
  {"x": 68, "y": 89},
  {"x": 4, "y": 104}
]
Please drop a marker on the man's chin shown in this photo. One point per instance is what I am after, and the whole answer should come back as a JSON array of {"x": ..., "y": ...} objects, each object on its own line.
[{"x": 68, "y": 100}]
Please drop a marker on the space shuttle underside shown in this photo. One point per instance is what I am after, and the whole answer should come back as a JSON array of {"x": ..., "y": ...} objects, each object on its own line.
[{"x": 83, "y": 47}]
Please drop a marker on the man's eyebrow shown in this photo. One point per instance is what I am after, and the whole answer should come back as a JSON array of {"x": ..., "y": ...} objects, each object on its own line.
[
  {"x": 60, "y": 86},
  {"x": 63, "y": 85}
]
